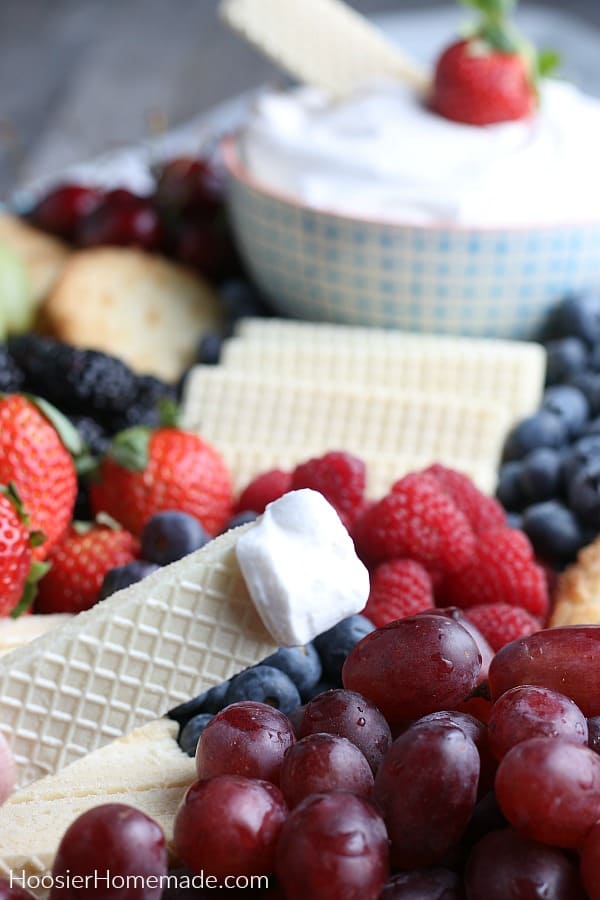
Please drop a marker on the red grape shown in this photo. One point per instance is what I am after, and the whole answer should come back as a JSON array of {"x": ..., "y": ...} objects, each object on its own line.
[
  {"x": 64, "y": 207},
  {"x": 426, "y": 788},
  {"x": 122, "y": 221},
  {"x": 352, "y": 716},
  {"x": 590, "y": 862},
  {"x": 549, "y": 789},
  {"x": 295, "y": 718},
  {"x": 117, "y": 838},
  {"x": 505, "y": 865},
  {"x": 14, "y": 891},
  {"x": 566, "y": 660},
  {"x": 478, "y": 733},
  {"x": 246, "y": 738},
  {"x": 333, "y": 847},
  {"x": 593, "y": 724},
  {"x": 414, "y": 666},
  {"x": 529, "y": 711},
  {"x": 229, "y": 825},
  {"x": 324, "y": 762},
  {"x": 187, "y": 184},
  {"x": 453, "y": 612},
  {"x": 424, "y": 884}
]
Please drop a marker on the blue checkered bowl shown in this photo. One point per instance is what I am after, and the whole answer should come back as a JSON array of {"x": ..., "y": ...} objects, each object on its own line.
[{"x": 319, "y": 265}]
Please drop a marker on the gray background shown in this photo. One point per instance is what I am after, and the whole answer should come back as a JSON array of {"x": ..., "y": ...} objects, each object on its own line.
[{"x": 79, "y": 77}]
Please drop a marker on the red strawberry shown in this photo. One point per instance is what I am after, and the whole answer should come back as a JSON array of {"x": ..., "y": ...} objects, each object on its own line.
[
  {"x": 401, "y": 587},
  {"x": 34, "y": 458},
  {"x": 15, "y": 555},
  {"x": 503, "y": 570},
  {"x": 146, "y": 472},
  {"x": 416, "y": 520},
  {"x": 501, "y": 623},
  {"x": 340, "y": 477},
  {"x": 264, "y": 489},
  {"x": 477, "y": 84},
  {"x": 78, "y": 565},
  {"x": 483, "y": 512}
]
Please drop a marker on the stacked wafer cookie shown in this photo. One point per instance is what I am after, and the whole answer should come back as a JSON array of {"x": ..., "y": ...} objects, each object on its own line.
[{"x": 288, "y": 390}]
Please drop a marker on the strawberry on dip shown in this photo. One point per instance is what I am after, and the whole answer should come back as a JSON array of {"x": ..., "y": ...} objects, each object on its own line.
[{"x": 490, "y": 76}]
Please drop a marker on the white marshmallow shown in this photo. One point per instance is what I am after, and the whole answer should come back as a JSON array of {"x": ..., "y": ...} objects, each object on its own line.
[{"x": 301, "y": 568}]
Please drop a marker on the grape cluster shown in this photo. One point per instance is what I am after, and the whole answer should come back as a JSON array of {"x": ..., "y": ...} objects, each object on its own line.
[{"x": 388, "y": 787}]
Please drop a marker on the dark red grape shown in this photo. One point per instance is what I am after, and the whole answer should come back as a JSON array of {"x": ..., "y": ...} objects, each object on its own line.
[
  {"x": 593, "y": 724},
  {"x": 530, "y": 711},
  {"x": 566, "y": 660},
  {"x": 229, "y": 825},
  {"x": 426, "y": 788},
  {"x": 13, "y": 891},
  {"x": 549, "y": 790},
  {"x": 324, "y": 762},
  {"x": 424, "y": 884},
  {"x": 352, "y": 716},
  {"x": 205, "y": 246},
  {"x": 123, "y": 221},
  {"x": 62, "y": 209},
  {"x": 187, "y": 184},
  {"x": 333, "y": 847},
  {"x": 295, "y": 718},
  {"x": 246, "y": 738},
  {"x": 414, "y": 666},
  {"x": 118, "y": 838},
  {"x": 590, "y": 862},
  {"x": 506, "y": 865},
  {"x": 453, "y": 612},
  {"x": 477, "y": 731}
]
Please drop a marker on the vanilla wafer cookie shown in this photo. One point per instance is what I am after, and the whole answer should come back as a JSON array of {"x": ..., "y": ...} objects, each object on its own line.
[
  {"x": 233, "y": 410},
  {"x": 508, "y": 374},
  {"x": 145, "y": 769},
  {"x": 129, "y": 659},
  {"x": 324, "y": 43},
  {"x": 17, "y": 632}
]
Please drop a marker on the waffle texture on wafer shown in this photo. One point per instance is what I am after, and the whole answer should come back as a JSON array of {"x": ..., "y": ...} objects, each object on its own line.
[
  {"x": 577, "y": 593},
  {"x": 129, "y": 659},
  {"x": 324, "y": 43},
  {"x": 259, "y": 422},
  {"x": 146, "y": 769}
]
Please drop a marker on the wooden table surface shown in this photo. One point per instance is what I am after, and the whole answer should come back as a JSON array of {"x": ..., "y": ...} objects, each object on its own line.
[{"x": 79, "y": 77}]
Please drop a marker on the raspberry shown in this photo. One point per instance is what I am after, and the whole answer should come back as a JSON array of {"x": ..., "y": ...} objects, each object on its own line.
[
  {"x": 263, "y": 490},
  {"x": 501, "y": 623},
  {"x": 483, "y": 512},
  {"x": 419, "y": 521},
  {"x": 503, "y": 570},
  {"x": 401, "y": 587},
  {"x": 340, "y": 477}
]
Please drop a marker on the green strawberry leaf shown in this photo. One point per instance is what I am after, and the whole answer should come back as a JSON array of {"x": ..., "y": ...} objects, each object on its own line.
[
  {"x": 168, "y": 412},
  {"x": 66, "y": 430},
  {"x": 37, "y": 571},
  {"x": 495, "y": 8},
  {"x": 11, "y": 492},
  {"x": 548, "y": 61},
  {"x": 130, "y": 448}
]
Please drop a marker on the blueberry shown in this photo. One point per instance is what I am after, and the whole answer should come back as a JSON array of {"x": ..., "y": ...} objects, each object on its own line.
[
  {"x": 579, "y": 316},
  {"x": 209, "y": 349},
  {"x": 241, "y": 518},
  {"x": 542, "y": 429},
  {"x": 541, "y": 475},
  {"x": 210, "y": 701},
  {"x": 171, "y": 535},
  {"x": 239, "y": 299},
  {"x": 565, "y": 357},
  {"x": 122, "y": 576},
  {"x": 589, "y": 385},
  {"x": 266, "y": 684},
  {"x": 302, "y": 664},
  {"x": 191, "y": 731},
  {"x": 581, "y": 453},
  {"x": 321, "y": 687},
  {"x": 514, "y": 520},
  {"x": 553, "y": 530},
  {"x": 569, "y": 404},
  {"x": 584, "y": 493},
  {"x": 333, "y": 646},
  {"x": 592, "y": 427},
  {"x": 509, "y": 491}
]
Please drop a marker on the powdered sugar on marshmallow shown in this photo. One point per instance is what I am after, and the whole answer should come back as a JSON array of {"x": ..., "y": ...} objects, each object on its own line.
[{"x": 301, "y": 568}]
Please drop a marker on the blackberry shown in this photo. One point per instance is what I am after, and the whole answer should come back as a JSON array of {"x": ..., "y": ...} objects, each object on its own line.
[
  {"x": 145, "y": 406},
  {"x": 74, "y": 379},
  {"x": 92, "y": 434},
  {"x": 11, "y": 377}
]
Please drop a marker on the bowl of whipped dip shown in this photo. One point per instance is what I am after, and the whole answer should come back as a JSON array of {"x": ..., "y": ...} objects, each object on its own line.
[{"x": 376, "y": 211}]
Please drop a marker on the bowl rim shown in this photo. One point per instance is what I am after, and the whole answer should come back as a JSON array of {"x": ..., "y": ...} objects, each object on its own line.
[{"x": 235, "y": 168}]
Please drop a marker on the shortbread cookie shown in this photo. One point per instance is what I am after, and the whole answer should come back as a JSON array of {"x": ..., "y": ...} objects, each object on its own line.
[
  {"x": 146, "y": 770},
  {"x": 43, "y": 256},
  {"x": 577, "y": 593},
  {"x": 135, "y": 305}
]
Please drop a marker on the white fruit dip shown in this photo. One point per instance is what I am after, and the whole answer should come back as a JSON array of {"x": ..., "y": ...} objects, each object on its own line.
[{"x": 382, "y": 154}]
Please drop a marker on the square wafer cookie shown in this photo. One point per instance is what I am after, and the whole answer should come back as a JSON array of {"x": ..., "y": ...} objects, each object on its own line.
[
  {"x": 129, "y": 659},
  {"x": 278, "y": 415}
]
